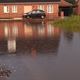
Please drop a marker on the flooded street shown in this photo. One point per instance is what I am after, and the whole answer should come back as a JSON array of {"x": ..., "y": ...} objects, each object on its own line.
[{"x": 38, "y": 51}]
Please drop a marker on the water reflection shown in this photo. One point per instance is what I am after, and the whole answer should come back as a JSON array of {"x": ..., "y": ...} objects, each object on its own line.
[
  {"x": 28, "y": 37},
  {"x": 11, "y": 45},
  {"x": 35, "y": 47},
  {"x": 68, "y": 35}
]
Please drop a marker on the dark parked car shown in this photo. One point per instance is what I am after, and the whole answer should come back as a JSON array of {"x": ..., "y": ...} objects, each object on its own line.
[{"x": 35, "y": 14}]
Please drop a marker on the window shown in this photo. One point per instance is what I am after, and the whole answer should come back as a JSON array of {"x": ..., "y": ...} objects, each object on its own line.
[
  {"x": 38, "y": 12},
  {"x": 6, "y": 9},
  {"x": 14, "y": 9},
  {"x": 41, "y": 7},
  {"x": 50, "y": 8},
  {"x": 33, "y": 12}
]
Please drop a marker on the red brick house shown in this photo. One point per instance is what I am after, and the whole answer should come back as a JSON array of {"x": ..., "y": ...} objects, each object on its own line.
[{"x": 16, "y": 8}]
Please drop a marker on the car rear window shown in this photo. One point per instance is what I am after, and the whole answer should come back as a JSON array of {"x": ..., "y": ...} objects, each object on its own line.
[
  {"x": 33, "y": 12},
  {"x": 38, "y": 11}
]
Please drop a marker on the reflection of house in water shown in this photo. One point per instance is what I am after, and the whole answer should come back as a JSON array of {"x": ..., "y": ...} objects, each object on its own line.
[
  {"x": 22, "y": 37},
  {"x": 11, "y": 45}
]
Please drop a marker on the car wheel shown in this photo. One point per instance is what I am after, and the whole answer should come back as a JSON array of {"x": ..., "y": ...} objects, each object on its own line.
[{"x": 42, "y": 17}]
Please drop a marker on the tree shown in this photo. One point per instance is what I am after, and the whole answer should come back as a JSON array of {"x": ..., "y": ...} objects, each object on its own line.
[{"x": 71, "y": 1}]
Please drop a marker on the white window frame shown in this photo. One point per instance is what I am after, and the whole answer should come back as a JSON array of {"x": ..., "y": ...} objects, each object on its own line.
[
  {"x": 41, "y": 7},
  {"x": 50, "y": 8},
  {"x": 14, "y": 9},
  {"x": 6, "y": 9}
]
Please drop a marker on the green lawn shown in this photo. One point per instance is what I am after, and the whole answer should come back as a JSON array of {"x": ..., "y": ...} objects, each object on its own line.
[{"x": 69, "y": 23}]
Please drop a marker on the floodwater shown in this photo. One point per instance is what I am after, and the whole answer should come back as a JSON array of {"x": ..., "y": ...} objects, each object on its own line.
[{"x": 38, "y": 51}]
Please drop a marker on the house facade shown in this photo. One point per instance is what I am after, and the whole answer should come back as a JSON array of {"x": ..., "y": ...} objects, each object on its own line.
[{"x": 16, "y": 9}]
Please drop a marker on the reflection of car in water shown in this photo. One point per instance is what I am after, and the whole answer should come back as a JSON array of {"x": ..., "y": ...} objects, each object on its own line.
[{"x": 35, "y": 14}]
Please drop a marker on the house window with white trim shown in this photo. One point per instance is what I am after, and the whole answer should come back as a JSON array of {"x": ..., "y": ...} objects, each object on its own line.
[
  {"x": 50, "y": 8},
  {"x": 6, "y": 9},
  {"x": 14, "y": 9},
  {"x": 41, "y": 7}
]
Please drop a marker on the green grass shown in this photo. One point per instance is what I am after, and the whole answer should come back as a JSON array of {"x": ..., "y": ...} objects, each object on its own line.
[{"x": 69, "y": 23}]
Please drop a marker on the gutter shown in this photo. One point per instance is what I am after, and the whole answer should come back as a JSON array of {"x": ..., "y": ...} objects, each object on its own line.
[{"x": 21, "y": 3}]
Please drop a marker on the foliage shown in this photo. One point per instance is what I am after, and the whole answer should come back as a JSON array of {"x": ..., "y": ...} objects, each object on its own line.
[
  {"x": 69, "y": 23},
  {"x": 71, "y": 1}
]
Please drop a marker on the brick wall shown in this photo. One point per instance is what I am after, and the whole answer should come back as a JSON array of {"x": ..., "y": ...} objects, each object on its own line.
[{"x": 20, "y": 10}]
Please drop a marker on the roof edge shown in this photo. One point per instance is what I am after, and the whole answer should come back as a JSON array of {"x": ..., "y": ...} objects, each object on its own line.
[{"x": 31, "y": 3}]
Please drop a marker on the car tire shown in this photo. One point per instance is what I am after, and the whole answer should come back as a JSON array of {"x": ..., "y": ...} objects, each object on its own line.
[{"x": 42, "y": 17}]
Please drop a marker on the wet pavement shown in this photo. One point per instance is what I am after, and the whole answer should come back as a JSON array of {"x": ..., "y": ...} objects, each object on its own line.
[{"x": 38, "y": 51}]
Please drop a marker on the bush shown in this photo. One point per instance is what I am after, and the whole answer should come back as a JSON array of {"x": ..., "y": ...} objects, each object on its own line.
[{"x": 69, "y": 23}]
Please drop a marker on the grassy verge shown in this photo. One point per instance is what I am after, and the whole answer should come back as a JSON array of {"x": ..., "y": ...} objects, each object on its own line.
[{"x": 69, "y": 23}]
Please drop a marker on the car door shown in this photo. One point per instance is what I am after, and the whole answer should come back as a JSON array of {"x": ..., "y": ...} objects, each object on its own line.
[
  {"x": 38, "y": 14},
  {"x": 33, "y": 14}
]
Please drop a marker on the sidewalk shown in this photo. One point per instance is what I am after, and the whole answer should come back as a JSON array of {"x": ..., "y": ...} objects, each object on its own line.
[{"x": 16, "y": 19}]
